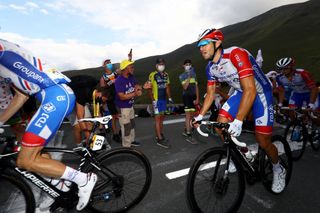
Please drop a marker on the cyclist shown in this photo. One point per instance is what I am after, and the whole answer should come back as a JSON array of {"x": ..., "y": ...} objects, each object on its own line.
[
  {"x": 300, "y": 81},
  {"x": 252, "y": 90},
  {"x": 26, "y": 75}
]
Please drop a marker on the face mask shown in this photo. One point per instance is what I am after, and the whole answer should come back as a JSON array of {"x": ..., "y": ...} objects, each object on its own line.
[
  {"x": 187, "y": 68},
  {"x": 109, "y": 66},
  {"x": 161, "y": 68}
]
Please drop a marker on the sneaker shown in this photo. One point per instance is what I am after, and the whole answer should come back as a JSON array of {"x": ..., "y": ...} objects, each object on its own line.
[
  {"x": 163, "y": 143},
  {"x": 135, "y": 143},
  {"x": 279, "y": 180},
  {"x": 116, "y": 138},
  {"x": 85, "y": 191},
  {"x": 190, "y": 139},
  {"x": 232, "y": 167},
  {"x": 184, "y": 133}
]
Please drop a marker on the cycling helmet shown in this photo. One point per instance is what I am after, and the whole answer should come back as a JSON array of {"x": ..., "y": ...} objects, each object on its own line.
[
  {"x": 213, "y": 34},
  {"x": 285, "y": 63}
]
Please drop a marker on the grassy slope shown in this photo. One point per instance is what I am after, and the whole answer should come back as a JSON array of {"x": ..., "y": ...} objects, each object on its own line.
[{"x": 291, "y": 30}]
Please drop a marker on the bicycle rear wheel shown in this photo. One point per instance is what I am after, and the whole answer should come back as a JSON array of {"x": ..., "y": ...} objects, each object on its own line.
[
  {"x": 210, "y": 188},
  {"x": 131, "y": 180},
  {"x": 297, "y": 142},
  {"x": 285, "y": 159},
  {"x": 16, "y": 195}
]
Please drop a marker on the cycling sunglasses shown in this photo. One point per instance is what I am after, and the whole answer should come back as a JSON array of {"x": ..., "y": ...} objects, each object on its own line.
[{"x": 204, "y": 42}]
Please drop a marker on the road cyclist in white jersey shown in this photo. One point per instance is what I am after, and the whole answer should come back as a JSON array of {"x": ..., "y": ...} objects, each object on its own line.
[
  {"x": 27, "y": 76},
  {"x": 252, "y": 90}
]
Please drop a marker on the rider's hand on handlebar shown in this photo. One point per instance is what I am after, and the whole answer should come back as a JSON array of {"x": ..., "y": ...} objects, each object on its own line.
[
  {"x": 196, "y": 121},
  {"x": 235, "y": 128}
]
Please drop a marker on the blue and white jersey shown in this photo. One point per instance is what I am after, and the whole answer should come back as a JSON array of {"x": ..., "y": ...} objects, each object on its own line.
[
  {"x": 237, "y": 63},
  {"x": 25, "y": 71}
]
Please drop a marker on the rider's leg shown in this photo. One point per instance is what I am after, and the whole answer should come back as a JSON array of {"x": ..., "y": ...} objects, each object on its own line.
[{"x": 265, "y": 143}]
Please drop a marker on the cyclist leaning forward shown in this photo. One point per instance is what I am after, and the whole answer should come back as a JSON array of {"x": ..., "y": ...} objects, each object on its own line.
[
  {"x": 252, "y": 90},
  {"x": 27, "y": 77}
]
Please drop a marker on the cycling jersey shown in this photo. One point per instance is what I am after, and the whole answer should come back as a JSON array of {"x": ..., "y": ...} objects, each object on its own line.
[
  {"x": 234, "y": 64},
  {"x": 301, "y": 81},
  {"x": 191, "y": 89},
  {"x": 159, "y": 81},
  {"x": 26, "y": 72},
  {"x": 109, "y": 79}
]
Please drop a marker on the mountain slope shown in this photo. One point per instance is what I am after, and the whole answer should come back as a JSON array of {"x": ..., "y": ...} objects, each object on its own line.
[{"x": 291, "y": 30}]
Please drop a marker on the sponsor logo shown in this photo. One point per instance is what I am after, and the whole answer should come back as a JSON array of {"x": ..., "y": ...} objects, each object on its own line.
[
  {"x": 38, "y": 183},
  {"x": 42, "y": 120},
  {"x": 61, "y": 98},
  {"x": 49, "y": 107},
  {"x": 29, "y": 73}
]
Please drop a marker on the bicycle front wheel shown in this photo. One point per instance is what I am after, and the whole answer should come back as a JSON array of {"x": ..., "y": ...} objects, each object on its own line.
[
  {"x": 285, "y": 160},
  {"x": 296, "y": 138},
  {"x": 210, "y": 187},
  {"x": 123, "y": 181},
  {"x": 16, "y": 195}
]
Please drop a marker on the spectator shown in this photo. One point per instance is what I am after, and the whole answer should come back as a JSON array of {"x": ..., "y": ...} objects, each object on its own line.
[
  {"x": 83, "y": 87},
  {"x": 160, "y": 82},
  {"x": 127, "y": 89},
  {"x": 190, "y": 96},
  {"x": 107, "y": 82},
  {"x": 5, "y": 99}
]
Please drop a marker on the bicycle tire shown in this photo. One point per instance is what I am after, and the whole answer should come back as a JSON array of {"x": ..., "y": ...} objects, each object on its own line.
[
  {"x": 297, "y": 146},
  {"x": 315, "y": 139},
  {"x": 133, "y": 168},
  {"x": 207, "y": 195},
  {"x": 18, "y": 196},
  {"x": 285, "y": 158}
]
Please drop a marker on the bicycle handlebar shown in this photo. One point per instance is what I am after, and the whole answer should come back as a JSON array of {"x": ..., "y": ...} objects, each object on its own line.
[
  {"x": 220, "y": 126},
  {"x": 310, "y": 113}
]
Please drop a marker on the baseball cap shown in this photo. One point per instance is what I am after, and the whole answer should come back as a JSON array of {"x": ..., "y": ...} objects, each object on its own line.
[{"x": 125, "y": 63}]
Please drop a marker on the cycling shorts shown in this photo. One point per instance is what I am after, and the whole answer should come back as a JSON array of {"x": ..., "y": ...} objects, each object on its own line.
[
  {"x": 299, "y": 99},
  {"x": 262, "y": 110},
  {"x": 188, "y": 102},
  {"x": 161, "y": 107},
  {"x": 56, "y": 103}
]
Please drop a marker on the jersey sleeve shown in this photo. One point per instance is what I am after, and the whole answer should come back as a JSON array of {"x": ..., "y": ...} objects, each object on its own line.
[
  {"x": 211, "y": 79},
  {"x": 307, "y": 77},
  {"x": 240, "y": 59}
]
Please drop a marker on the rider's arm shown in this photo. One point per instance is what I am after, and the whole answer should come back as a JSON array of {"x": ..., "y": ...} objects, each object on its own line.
[
  {"x": 248, "y": 96},
  {"x": 211, "y": 88},
  {"x": 197, "y": 94},
  {"x": 313, "y": 95},
  {"x": 168, "y": 91},
  {"x": 17, "y": 102},
  {"x": 281, "y": 92}
]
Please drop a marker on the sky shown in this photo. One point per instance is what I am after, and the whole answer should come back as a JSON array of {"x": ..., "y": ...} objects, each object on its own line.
[{"x": 78, "y": 34}]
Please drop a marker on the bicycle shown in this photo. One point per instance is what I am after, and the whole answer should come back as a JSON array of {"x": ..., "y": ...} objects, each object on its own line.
[
  {"x": 299, "y": 131},
  {"x": 210, "y": 185},
  {"x": 124, "y": 177}
]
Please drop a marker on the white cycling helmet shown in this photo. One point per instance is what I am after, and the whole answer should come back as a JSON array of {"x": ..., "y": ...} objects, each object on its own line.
[{"x": 285, "y": 63}]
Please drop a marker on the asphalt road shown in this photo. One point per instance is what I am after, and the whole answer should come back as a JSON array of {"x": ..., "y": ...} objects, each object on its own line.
[{"x": 167, "y": 195}]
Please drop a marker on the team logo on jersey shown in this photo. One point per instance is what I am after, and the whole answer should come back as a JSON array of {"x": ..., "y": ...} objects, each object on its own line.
[
  {"x": 49, "y": 107},
  {"x": 61, "y": 98}
]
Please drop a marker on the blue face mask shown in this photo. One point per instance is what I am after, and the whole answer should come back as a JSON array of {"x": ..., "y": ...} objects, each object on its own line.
[{"x": 109, "y": 66}]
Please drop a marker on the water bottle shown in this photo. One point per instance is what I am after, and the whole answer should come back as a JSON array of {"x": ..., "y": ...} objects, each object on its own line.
[{"x": 296, "y": 133}]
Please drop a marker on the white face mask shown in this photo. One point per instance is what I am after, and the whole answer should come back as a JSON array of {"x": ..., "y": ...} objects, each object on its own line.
[
  {"x": 161, "y": 68},
  {"x": 187, "y": 68}
]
